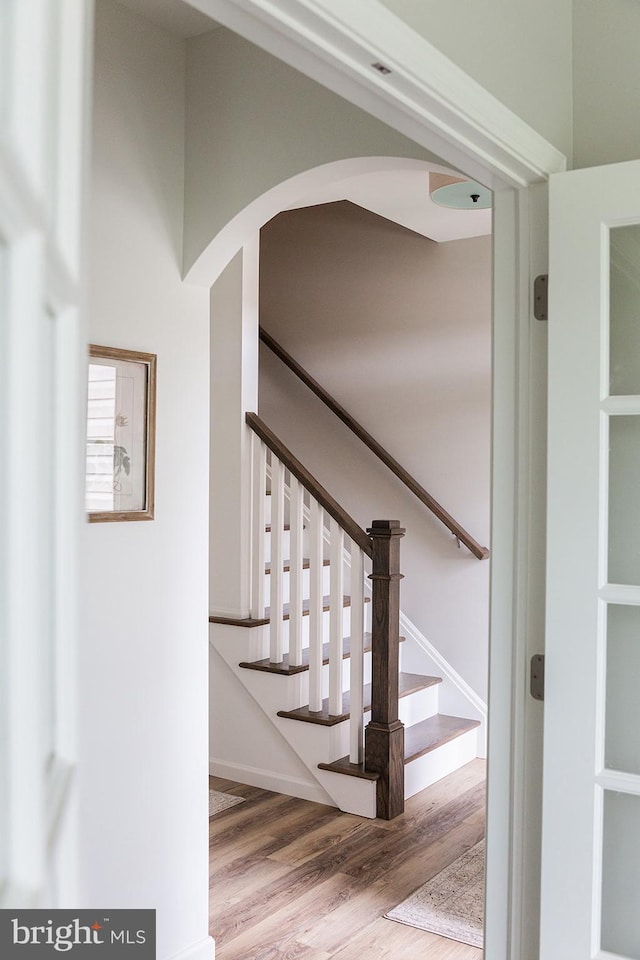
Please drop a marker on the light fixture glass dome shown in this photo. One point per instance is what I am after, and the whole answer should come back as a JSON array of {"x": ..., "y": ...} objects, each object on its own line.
[{"x": 463, "y": 195}]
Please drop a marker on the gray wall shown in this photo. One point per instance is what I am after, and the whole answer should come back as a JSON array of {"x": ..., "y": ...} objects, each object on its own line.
[
  {"x": 519, "y": 51},
  {"x": 606, "y": 81},
  {"x": 398, "y": 330}
]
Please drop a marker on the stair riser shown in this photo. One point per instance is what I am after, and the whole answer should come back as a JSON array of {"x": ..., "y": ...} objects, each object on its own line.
[
  {"x": 326, "y": 622},
  {"x": 286, "y": 545},
  {"x": 424, "y": 771},
  {"x": 419, "y": 706},
  {"x": 306, "y": 590}
]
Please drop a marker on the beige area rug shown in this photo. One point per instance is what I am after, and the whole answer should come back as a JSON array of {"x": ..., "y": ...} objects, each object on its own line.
[
  {"x": 221, "y": 801},
  {"x": 451, "y": 904}
]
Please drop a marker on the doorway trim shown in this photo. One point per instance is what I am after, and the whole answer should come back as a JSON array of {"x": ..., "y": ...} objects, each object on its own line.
[{"x": 429, "y": 99}]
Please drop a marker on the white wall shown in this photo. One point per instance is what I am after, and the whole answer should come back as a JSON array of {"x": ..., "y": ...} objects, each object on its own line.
[
  {"x": 144, "y": 839},
  {"x": 606, "y": 81},
  {"x": 520, "y": 52},
  {"x": 398, "y": 329},
  {"x": 244, "y": 744},
  {"x": 253, "y": 122}
]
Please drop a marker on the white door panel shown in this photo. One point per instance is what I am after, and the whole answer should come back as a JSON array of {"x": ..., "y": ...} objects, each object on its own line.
[
  {"x": 591, "y": 807},
  {"x": 44, "y": 90}
]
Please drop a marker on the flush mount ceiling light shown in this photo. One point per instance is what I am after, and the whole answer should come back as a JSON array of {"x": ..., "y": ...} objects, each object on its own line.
[{"x": 458, "y": 194}]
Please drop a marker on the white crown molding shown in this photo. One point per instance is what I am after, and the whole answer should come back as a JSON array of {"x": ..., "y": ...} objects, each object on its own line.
[{"x": 426, "y": 96}]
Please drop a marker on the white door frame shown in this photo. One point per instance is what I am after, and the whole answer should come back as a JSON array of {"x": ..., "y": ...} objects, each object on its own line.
[{"x": 432, "y": 101}]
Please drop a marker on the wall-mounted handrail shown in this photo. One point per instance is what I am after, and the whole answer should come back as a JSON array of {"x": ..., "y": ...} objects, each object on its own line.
[
  {"x": 333, "y": 508},
  {"x": 417, "y": 489}
]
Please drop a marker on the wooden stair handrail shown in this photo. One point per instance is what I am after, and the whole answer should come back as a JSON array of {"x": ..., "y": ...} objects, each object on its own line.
[
  {"x": 417, "y": 489},
  {"x": 324, "y": 498}
]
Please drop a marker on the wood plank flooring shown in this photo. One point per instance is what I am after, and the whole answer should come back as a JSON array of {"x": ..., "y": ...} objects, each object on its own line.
[{"x": 295, "y": 880}]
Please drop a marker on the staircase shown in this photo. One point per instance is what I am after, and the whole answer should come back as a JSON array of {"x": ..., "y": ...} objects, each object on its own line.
[{"x": 323, "y": 658}]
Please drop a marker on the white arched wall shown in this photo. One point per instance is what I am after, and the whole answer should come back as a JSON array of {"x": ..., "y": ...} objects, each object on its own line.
[{"x": 244, "y": 225}]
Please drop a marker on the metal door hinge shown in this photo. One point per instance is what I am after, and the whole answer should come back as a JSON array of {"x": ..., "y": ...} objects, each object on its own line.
[
  {"x": 536, "y": 680},
  {"x": 541, "y": 296}
]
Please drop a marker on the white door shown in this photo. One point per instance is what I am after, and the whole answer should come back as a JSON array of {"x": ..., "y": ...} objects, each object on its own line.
[
  {"x": 591, "y": 806},
  {"x": 44, "y": 89}
]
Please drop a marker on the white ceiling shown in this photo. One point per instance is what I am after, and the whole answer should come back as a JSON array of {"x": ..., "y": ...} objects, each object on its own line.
[
  {"x": 174, "y": 16},
  {"x": 403, "y": 196},
  {"x": 398, "y": 195}
]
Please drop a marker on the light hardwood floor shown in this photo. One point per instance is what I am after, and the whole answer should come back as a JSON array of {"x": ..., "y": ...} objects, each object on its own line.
[{"x": 294, "y": 880}]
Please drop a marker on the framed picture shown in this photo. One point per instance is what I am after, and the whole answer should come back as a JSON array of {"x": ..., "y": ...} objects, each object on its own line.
[{"x": 121, "y": 412}]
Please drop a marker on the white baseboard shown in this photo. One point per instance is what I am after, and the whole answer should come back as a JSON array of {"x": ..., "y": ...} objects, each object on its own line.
[
  {"x": 201, "y": 950},
  {"x": 267, "y": 780}
]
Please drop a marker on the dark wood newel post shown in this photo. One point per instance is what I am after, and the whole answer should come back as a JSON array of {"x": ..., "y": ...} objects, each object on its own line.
[{"x": 384, "y": 735}]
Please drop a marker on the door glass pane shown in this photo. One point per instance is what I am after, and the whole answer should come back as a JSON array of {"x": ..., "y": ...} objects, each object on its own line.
[
  {"x": 622, "y": 743},
  {"x": 621, "y": 875},
  {"x": 624, "y": 500},
  {"x": 625, "y": 311}
]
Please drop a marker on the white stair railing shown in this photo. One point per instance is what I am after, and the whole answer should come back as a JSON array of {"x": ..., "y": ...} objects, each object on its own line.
[
  {"x": 276, "y": 628},
  {"x": 356, "y": 660},
  {"x": 296, "y": 572},
  {"x": 316, "y": 603},
  {"x": 336, "y": 617},
  {"x": 293, "y": 507}
]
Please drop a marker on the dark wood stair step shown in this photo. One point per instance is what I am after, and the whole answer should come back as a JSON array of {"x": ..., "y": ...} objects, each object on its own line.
[
  {"x": 419, "y": 739},
  {"x": 306, "y": 606},
  {"x": 285, "y": 669},
  {"x": 408, "y": 683},
  {"x": 431, "y": 733}
]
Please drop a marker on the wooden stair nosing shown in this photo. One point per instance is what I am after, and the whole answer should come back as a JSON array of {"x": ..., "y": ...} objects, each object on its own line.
[
  {"x": 408, "y": 683},
  {"x": 420, "y": 739},
  {"x": 237, "y": 622},
  {"x": 306, "y": 565},
  {"x": 285, "y": 669},
  {"x": 344, "y": 765},
  {"x": 306, "y": 607}
]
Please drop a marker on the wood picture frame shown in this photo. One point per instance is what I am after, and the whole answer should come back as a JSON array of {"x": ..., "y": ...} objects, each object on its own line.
[{"x": 121, "y": 435}]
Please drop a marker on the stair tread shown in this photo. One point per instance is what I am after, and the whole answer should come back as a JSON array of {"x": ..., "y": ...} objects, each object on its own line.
[
  {"x": 408, "y": 683},
  {"x": 284, "y": 668},
  {"x": 344, "y": 765},
  {"x": 425, "y": 736},
  {"x": 419, "y": 739},
  {"x": 306, "y": 564},
  {"x": 306, "y": 606}
]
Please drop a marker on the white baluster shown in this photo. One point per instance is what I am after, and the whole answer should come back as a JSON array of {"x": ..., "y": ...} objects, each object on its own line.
[
  {"x": 259, "y": 457},
  {"x": 296, "y": 494},
  {"x": 336, "y": 617},
  {"x": 315, "y": 609},
  {"x": 276, "y": 651},
  {"x": 356, "y": 659}
]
